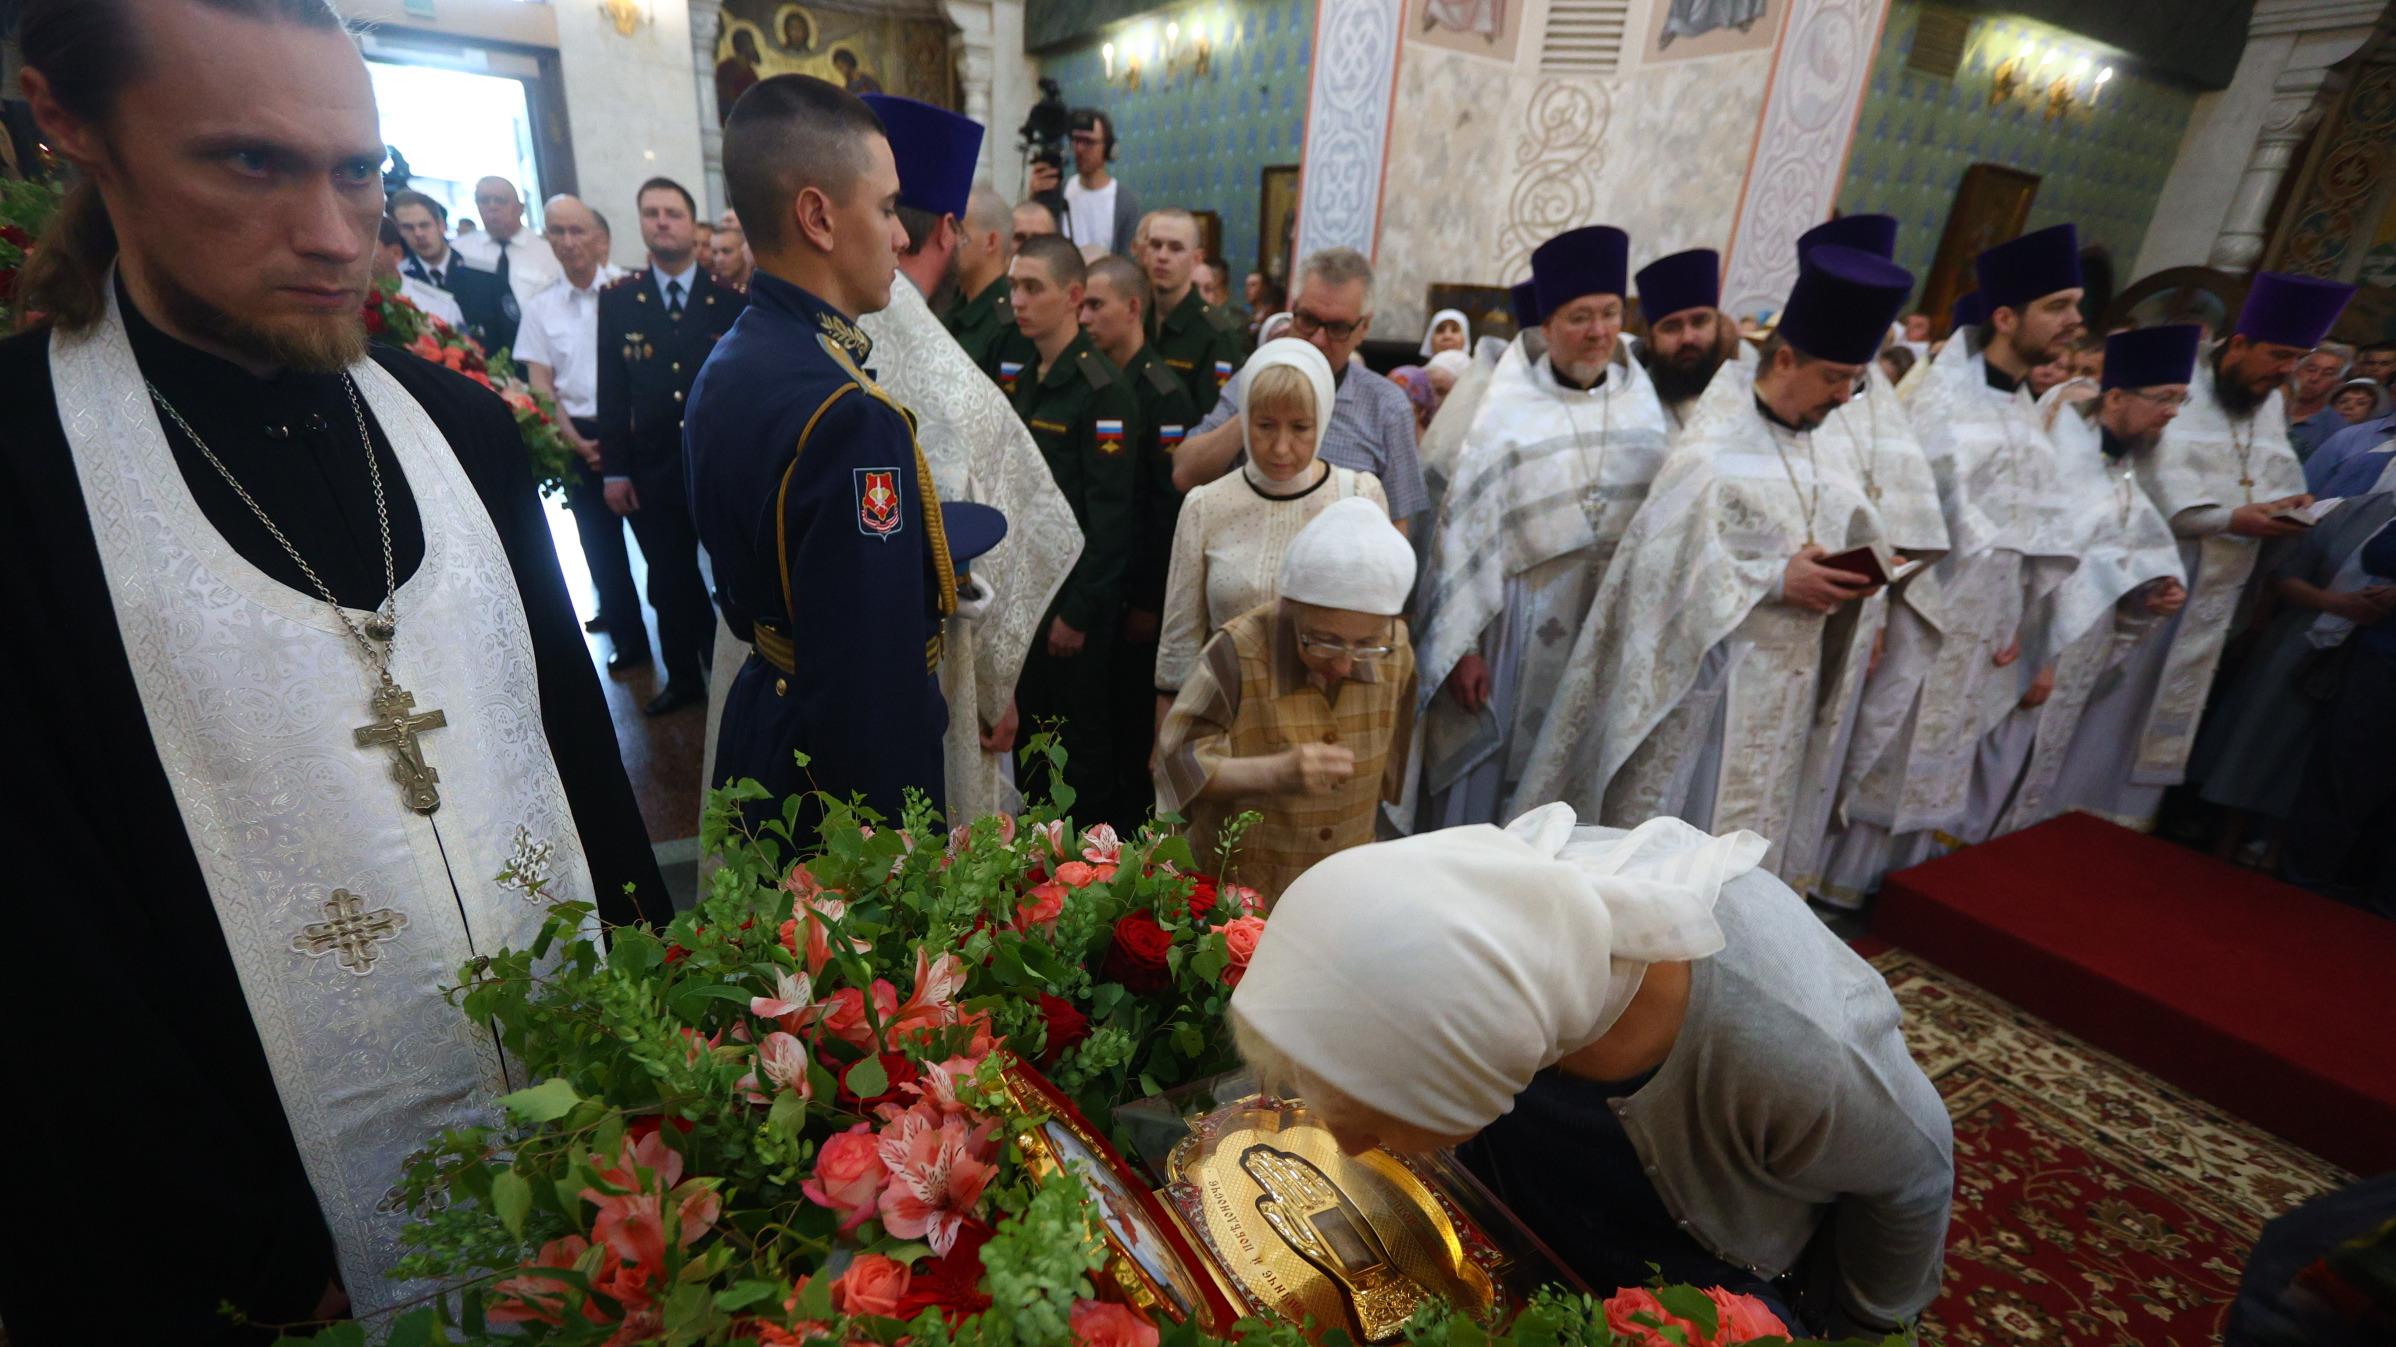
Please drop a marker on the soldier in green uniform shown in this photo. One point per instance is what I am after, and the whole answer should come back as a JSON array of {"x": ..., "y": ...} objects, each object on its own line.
[
  {"x": 1085, "y": 417},
  {"x": 984, "y": 322},
  {"x": 1201, "y": 344},
  {"x": 1115, "y": 307}
]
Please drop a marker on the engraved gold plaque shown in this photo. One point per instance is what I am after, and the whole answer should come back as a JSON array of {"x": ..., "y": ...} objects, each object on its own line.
[{"x": 1302, "y": 1230}]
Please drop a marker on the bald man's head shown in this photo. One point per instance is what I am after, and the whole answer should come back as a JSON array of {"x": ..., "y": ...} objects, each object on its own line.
[
  {"x": 575, "y": 235},
  {"x": 502, "y": 211}
]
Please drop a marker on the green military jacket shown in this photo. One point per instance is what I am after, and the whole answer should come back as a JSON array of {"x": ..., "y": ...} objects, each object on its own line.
[
  {"x": 1085, "y": 417},
  {"x": 1166, "y": 417},
  {"x": 985, "y": 326},
  {"x": 1203, "y": 346}
]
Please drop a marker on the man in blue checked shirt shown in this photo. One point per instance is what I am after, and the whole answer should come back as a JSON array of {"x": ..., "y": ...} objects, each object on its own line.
[{"x": 1085, "y": 416}]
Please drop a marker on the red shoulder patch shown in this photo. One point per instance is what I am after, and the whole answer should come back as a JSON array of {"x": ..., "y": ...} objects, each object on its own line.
[{"x": 880, "y": 509}]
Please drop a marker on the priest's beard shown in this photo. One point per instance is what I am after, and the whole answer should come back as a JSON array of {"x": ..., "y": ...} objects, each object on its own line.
[
  {"x": 1579, "y": 374},
  {"x": 1685, "y": 375},
  {"x": 315, "y": 344},
  {"x": 2236, "y": 396}
]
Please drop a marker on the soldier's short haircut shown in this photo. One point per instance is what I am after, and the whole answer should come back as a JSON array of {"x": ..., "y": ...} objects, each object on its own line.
[
  {"x": 1057, "y": 253},
  {"x": 785, "y": 135},
  {"x": 409, "y": 196},
  {"x": 1129, "y": 281}
]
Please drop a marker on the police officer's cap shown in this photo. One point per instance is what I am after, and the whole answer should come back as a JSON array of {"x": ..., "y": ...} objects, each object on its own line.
[{"x": 936, "y": 150}]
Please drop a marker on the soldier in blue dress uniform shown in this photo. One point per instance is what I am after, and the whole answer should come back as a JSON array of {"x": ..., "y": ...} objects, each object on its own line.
[{"x": 831, "y": 554}]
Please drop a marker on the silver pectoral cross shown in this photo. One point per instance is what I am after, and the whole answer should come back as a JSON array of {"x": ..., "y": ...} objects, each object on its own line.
[
  {"x": 396, "y": 725},
  {"x": 350, "y": 931}
]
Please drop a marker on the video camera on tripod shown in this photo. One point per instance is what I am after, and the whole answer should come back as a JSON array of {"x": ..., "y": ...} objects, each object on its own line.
[{"x": 1042, "y": 140}]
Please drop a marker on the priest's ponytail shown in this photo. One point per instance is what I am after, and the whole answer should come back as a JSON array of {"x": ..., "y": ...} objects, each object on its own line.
[{"x": 86, "y": 52}]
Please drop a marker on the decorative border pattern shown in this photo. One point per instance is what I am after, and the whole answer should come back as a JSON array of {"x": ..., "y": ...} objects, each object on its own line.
[
  {"x": 1347, "y": 123},
  {"x": 1562, "y": 155},
  {"x": 1818, "y": 76},
  {"x": 2333, "y": 219}
]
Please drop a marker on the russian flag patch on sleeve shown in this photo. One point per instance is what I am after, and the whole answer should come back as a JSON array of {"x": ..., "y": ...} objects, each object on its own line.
[
  {"x": 1110, "y": 436},
  {"x": 1169, "y": 438},
  {"x": 1007, "y": 370},
  {"x": 1222, "y": 373}
]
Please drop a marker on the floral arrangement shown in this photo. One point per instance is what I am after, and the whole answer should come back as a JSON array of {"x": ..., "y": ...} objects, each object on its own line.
[
  {"x": 780, "y": 1120},
  {"x": 394, "y": 320},
  {"x": 26, "y": 206}
]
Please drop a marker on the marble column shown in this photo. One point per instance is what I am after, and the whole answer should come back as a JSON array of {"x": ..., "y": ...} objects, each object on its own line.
[
  {"x": 706, "y": 18},
  {"x": 2317, "y": 34}
]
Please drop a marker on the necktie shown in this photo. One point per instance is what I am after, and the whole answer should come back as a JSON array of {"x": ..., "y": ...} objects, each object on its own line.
[
  {"x": 503, "y": 261},
  {"x": 674, "y": 299}
]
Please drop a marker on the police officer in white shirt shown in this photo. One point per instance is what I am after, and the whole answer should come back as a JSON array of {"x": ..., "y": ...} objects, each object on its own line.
[
  {"x": 503, "y": 246},
  {"x": 558, "y": 345}
]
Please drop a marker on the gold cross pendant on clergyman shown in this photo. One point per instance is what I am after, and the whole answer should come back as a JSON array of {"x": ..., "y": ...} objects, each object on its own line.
[
  {"x": 396, "y": 725},
  {"x": 350, "y": 931}
]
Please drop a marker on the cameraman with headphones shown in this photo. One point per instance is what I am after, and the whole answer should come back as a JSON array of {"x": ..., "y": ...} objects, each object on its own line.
[{"x": 1099, "y": 209}]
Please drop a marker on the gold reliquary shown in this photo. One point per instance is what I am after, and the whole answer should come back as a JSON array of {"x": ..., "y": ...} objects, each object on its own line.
[{"x": 1242, "y": 1204}]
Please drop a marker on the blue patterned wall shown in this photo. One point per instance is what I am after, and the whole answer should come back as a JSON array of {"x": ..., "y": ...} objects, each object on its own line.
[
  {"x": 1201, "y": 142},
  {"x": 2101, "y": 169}
]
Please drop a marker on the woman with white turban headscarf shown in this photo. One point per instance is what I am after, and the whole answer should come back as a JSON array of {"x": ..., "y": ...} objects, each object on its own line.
[
  {"x": 1228, "y": 543},
  {"x": 1656, "y": 1053},
  {"x": 1300, "y": 709}
]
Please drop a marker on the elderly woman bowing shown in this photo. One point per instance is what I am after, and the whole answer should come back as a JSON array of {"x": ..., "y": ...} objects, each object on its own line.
[
  {"x": 1656, "y": 1053},
  {"x": 1300, "y": 708}
]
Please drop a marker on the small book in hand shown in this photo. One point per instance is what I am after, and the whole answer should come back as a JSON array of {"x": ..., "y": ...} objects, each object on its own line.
[
  {"x": 1865, "y": 561},
  {"x": 2308, "y": 515}
]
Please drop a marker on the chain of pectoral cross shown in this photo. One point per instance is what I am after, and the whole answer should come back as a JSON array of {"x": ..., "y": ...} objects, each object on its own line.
[
  {"x": 396, "y": 723},
  {"x": 2246, "y": 455}
]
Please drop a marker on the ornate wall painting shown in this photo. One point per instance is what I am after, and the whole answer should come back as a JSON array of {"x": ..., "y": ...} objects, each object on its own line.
[{"x": 1687, "y": 28}]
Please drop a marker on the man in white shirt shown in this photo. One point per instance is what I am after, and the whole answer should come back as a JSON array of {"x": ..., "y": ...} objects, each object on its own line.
[
  {"x": 558, "y": 343},
  {"x": 503, "y": 248},
  {"x": 1100, "y": 211}
]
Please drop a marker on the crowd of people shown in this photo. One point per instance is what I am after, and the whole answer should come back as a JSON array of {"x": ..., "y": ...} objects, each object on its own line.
[{"x": 1536, "y": 684}]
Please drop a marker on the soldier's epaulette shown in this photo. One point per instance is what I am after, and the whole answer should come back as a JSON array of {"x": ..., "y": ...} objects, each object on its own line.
[
  {"x": 1160, "y": 378},
  {"x": 847, "y": 335},
  {"x": 1004, "y": 305},
  {"x": 636, "y": 277},
  {"x": 1095, "y": 370},
  {"x": 1219, "y": 319}
]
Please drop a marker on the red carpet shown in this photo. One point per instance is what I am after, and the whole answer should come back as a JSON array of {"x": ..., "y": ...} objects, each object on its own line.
[
  {"x": 2095, "y": 1206},
  {"x": 2270, "y": 1001}
]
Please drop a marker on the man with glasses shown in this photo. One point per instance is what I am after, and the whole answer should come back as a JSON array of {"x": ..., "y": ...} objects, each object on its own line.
[
  {"x": 2226, "y": 478},
  {"x": 1372, "y": 422},
  {"x": 1099, "y": 210},
  {"x": 558, "y": 344},
  {"x": 1556, "y": 461},
  {"x": 1692, "y": 688},
  {"x": 1300, "y": 709}
]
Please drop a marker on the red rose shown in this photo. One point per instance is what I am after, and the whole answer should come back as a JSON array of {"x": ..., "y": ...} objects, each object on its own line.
[
  {"x": 1041, "y": 908},
  {"x": 1100, "y": 1324},
  {"x": 1067, "y": 1025},
  {"x": 374, "y": 320},
  {"x": 16, "y": 236},
  {"x": 872, "y": 1285},
  {"x": 950, "y": 1283},
  {"x": 895, "y": 1067},
  {"x": 646, "y": 1125},
  {"x": 1137, "y": 958},
  {"x": 1202, "y": 896}
]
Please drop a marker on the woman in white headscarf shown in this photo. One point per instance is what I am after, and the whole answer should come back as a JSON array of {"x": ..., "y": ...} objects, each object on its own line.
[
  {"x": 1656, "y": 1053},
  {"x": 1228, "y": 543},
  {"x": 1300, "y": 709},
  {"x": 1449, "y": 330}
]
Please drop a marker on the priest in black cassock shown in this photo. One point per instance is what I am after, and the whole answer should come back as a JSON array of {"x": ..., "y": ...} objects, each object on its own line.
[{"x": 295, "y": 678}]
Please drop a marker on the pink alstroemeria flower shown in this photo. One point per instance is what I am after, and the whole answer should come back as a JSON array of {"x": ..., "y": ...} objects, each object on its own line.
[
  {"x": 633, "y": 1223},
  {"x": 792, "y": 1004},
  {"x": 938, "y": 1170},
  {"x": 1100, "y": 845},
  {"x": 933, "y": 1002},
  {"x": 782, "y": 1061}
]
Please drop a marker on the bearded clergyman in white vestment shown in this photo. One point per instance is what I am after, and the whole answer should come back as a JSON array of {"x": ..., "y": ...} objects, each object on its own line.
[
  {"x": 1558, "y": 460},
  {"x": 2222, "y": 475},
  {"x": 2129, "y": 575},
  {"x": 1687, "y": 336},
  {"x": 1693, "y": 689},
  {"x": 979, "y": 452},
  {"x": 1940, "y": 689},
  {"x": 307, "y": 681}
]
